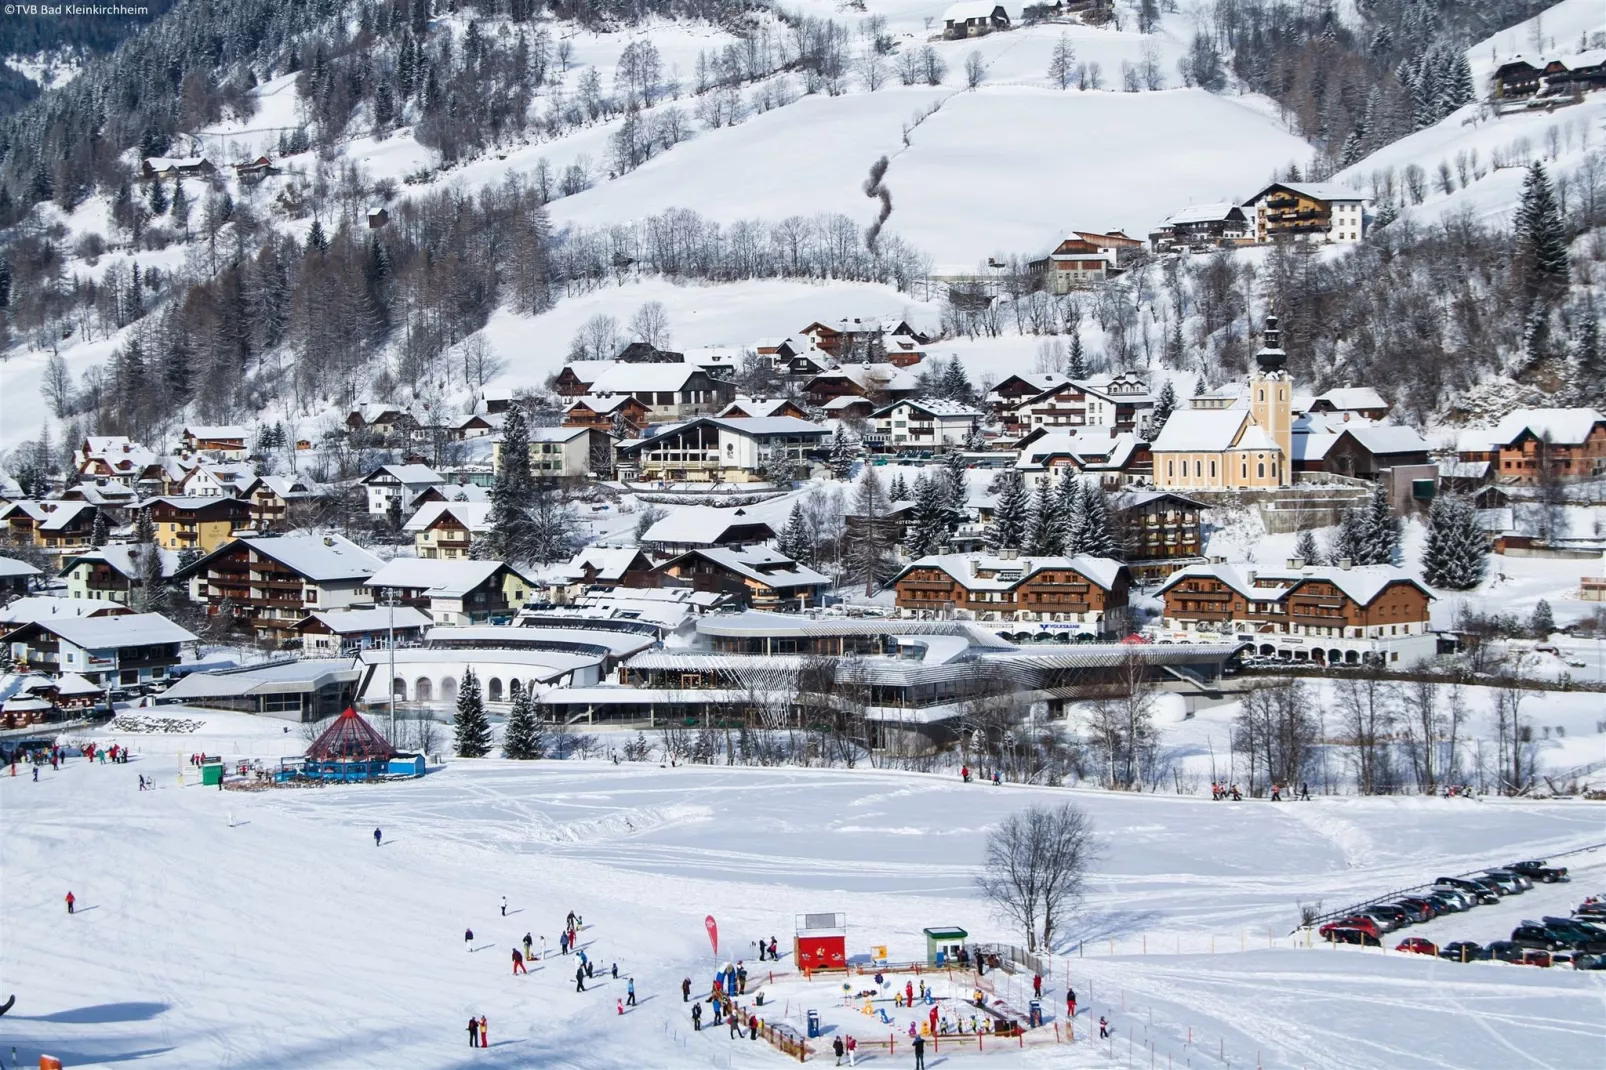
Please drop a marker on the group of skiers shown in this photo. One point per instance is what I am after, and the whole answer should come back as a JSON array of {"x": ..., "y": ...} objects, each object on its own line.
[
  {"x": 772, "y": 950},
  {"x": 726, "y": 1011},
  {"x": 1220, "y": 791}
]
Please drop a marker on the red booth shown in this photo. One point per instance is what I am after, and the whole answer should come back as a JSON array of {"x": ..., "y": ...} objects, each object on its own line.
[{"x": 821, "y": 942}]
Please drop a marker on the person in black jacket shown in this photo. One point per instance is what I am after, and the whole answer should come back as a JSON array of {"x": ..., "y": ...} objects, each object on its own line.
[
  {"x": 697, "y": 1017},
  {"x": 920, "y": 1053},
  {"x": 473, "y": 1032},
  {"x": 579, "y": 978}
]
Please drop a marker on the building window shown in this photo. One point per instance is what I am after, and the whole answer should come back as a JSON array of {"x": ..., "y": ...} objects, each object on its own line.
[{"x": 1262, "y": 470}]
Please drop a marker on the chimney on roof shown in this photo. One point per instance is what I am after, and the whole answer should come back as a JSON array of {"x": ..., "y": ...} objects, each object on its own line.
[
  {"x": 1296, "y": 563},
  {"x": 1345, "y": 563},
  {"x": 1008, "y": 553},
  {"x": 328, "y": 540},
  {"x": 975, "y": 568}
]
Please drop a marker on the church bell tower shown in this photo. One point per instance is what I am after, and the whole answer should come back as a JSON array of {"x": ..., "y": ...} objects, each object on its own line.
[{"x": 1271, "y": 398}]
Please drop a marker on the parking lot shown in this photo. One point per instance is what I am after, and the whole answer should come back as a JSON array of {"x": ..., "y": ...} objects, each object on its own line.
[{"x": 1486, "y": 924}]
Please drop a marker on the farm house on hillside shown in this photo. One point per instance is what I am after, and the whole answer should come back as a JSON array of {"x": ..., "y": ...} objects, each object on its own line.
[{"x": 973, "y": 18}]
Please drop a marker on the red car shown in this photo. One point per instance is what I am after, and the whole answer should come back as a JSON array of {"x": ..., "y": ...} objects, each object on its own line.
[
  {"x": 1365, "y": 924},
  {"x": 1416, "y": 945},
  {"x": 1533, "y": 956}
]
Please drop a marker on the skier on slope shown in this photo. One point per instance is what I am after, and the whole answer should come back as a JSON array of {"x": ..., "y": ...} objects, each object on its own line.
[
  {"x": 473, "y": 1032},
  {"x": 468, "y": 939},
  {"x": 71, "y": 899},
  {"x": 527, "y": 945},
  {"x": 518, "y": 962},
  {"x": 1070, "y": 1002},
  {"x": 1104, "y": 1028},
  {"x": 685, "y": 990},
  {"x": 697, "y": 1017},
  {"x": 630, "y": 991},
  {"x": 579, "y": 978},
  {"x": 378, "y": 835}
]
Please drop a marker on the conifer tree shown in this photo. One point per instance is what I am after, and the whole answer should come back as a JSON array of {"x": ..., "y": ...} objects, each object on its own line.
[
  {"x": 1457, "y": 551},
  {"x": 843, "y": 454},
  {"x": 1542, "y": 623},
  {"x": 1076, "y": 359},
  {"x": 1069, "y": 506},
  {"x": 98, "y": 533},
  {"x": 794, "y": 540},
  {"x": 1098, "y": 538},
  {"x": 955, "y": 384},
  {"x": 1046, "y": 537},
  {"x": 158, "y": 198},
  {"x": 511, "y": 536},
  {"x": 899, "y": 490},
  {"x": 1541, "y": 237},
  {"x": 1346, "y": 544},
  {"x": 1379, "y": 529},
  {"x": 1011, "y": 516},
  {"x": 472, "y": 731},
  {"x": 1165, "y": 403},
  {"x": 1305, "y": 547},
  {"x": 870, "y": 549},
  {"x": 928, "y": 525},
  {"x": 525, "y": 737}
]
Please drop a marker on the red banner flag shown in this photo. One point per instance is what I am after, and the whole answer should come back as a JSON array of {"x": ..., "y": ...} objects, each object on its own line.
[{"x": 713, "y": 933}]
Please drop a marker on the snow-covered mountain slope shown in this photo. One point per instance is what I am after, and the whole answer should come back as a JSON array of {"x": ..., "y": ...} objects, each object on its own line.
[{"x": 1486, "y": 152}]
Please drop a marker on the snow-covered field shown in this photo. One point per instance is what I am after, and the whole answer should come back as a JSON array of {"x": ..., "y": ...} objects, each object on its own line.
[{"x": 266, "y": 930}]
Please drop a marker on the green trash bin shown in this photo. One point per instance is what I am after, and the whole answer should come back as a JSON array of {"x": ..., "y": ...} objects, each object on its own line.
[{"x": 212, "y": 774}]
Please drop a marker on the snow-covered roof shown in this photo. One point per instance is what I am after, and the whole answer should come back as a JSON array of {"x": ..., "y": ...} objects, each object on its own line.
[
  {"x": 120, "y": 630},
  {"x": 1312, "y": 446},
  {"x": 559, "y": 434},
  {"x": 1565, "y": 427},
  {"x": 1038, "y": 381},
  {"x": 47, "y": 515},
  {"x": 455, "y": 492},
  {"x": 43, "y": 607},
  {"x": 1256, "y": 438},
  {"x": 845, "y": 401},
  {"x": 762, "y": 565},
  {"x": 1316, "y": 191},
  {"x": 699, "y": 524},
  {"x": 1387, "y": 438},
  {"x": 1353, "y": 399},
  {"x": 1464, "y": 469},
  {"x": 124, "y": 558},
  {"x": 354, "y": 621},
  {"x": 475, "y": 516},
  {"x": 1102, "y": 571},
  {"x": 589, "y": 371},
  {"x": 600, "y": 405},
  {"x": 10, "y": 566},
  {"x": 305, "y": 674},
  {"x": 1477, "y": 439},
  {"x": 317, "y": 557},
  {"x": 630, "y": 378},
  {"x": 412, "y": 475},
  {"x": 163, "y": 163},
  {"x": 1361, "y": 583},
  {"x": 441, "y": 578},
  {"x": 1200, "y": 430},
  {"x": 608, "y": 562},
  {"x": 216, "y": 431},
  {"x": 939, "y": 407},
  {"x": 1202, "y": 213},
  {"x": 755, "y": 407}
]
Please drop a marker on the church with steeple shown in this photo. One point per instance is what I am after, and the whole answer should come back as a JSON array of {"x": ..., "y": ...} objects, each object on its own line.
[{"x": 1245, "y": 442}]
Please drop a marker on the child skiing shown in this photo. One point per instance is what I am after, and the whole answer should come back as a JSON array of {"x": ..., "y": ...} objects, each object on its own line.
[
  {"x": 630, "y": 991},
  {"x": 468, "y": 939},
  {"x": 1104, "y": 1028},
  {"x": 71, "y": 899},
  {"x": 1070, "y": 1002}
]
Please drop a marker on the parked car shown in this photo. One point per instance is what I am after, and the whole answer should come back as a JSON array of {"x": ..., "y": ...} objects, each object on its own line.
[
  {"x": 1360, "y": 923},
  {"x": 1466, "y": 898},
  {"x": 1464, "y": 951},
  {"x": 1537, "y": 870},
  {"x": 1506, "y": 883},
  {"x": 1344, "y": 934},
  {"x": 1445, "y": 903},
  {"x": 1591, "y": 908},
  {"x": 1390, "y": 916},
  {"x": 1416, "y": 945},
  {"x": 1578, "y": 960},
  {"x": 1534, "y": 956},
  {"x": 1580, "y": 936},
  {"x": 1481, "y": 892},
  {"x": 1506, "y": 951},
  {"x": 1537, "y": 936},
  {"x": 1417, "y": 909}
]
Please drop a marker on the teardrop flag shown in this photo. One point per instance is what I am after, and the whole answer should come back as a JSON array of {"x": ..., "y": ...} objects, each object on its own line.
[{"x": 713, "y": 933}]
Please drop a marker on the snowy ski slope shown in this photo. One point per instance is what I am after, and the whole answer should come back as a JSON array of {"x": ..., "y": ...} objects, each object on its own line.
[{"x": 266, "y": 930}]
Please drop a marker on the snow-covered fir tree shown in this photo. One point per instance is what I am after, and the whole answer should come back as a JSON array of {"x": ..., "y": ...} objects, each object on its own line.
[
  {"x": 525, "y": 736},
  {"x": 898, "y": 491},
  {"x": 1379, "y": 530},
  {"x": 1069, "y": 514},
  {"x": 1305, "y": 547},
  {"x": 927, "y": 531},
  {"x": 1011, "y": 515},
  {"x": 1457, "y": 552},
  {"x": 98, "y": 533},
  {"x": 1045, "y": 535},
  {"x": 794, "y": 540},
  {"x": 471, "y": 731},
  {"x": 512, "y": 494},
  {"x": 1543, "y": 622},
  {"x": 1165, "y": 403},
  {"x": 843, "y": 454},
  {"x": 1541, "y": 237},
  {"x": 1098, "y": 534}
]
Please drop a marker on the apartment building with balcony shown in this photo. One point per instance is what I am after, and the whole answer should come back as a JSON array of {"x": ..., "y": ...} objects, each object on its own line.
[
  {"x": 272, "y": 582},
  {"x": 724, "y": 450},
  {"x": 1313, "y": 211},
  {"x": 197, "y": 523},
  {"x": 115, "y": 650}
]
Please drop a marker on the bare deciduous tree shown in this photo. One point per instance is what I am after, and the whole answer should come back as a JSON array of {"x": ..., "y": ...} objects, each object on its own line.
[
  {"x": 651, "y": 324},
  {"x": 1035, "y": 866}
]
